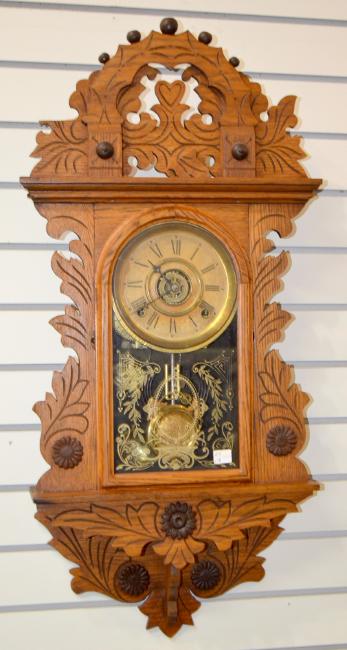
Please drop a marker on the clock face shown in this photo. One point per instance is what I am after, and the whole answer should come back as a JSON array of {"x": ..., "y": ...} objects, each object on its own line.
[{"x": 174, "y": 287}]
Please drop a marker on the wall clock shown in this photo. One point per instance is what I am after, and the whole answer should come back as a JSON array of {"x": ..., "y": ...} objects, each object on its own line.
[{"x": 173, "y": 436}]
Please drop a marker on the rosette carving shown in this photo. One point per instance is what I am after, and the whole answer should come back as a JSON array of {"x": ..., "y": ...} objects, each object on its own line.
[
  {"x": 205, "y": 575},
  {"x": 281, "y": 440},
  {"x": 133, "y": 579},
  {"x": 67, "y": 452},
  {"x": 178, "y": 520}
]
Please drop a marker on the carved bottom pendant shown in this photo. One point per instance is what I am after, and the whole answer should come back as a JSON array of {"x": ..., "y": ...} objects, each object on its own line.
[{"x": 166, "y": 554}]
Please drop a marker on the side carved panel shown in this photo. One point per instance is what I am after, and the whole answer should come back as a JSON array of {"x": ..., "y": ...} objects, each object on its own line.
[
  {"x": 280, "y": 430},
  {"x": 67, "y": 414}
]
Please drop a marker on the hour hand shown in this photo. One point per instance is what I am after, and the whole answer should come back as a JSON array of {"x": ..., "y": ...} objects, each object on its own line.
[{"x": 155, "y": 268}]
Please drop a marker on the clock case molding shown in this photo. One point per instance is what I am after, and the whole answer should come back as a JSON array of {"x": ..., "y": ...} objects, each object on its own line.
[{"x": 148, "y": 539}]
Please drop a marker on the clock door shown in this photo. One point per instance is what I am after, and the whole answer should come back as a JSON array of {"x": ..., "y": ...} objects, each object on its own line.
[{"x": 177, "y": 316}]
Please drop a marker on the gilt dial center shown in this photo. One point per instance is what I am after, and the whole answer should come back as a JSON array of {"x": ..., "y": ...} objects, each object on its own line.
[{"x": 174, "y": 287}]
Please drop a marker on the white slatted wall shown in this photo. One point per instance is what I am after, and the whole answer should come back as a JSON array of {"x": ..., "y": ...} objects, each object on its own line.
[{"x": 296, "y": 47}]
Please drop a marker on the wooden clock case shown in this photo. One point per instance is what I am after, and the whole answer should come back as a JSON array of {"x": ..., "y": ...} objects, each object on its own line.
[{"x": 166, "y": 539}]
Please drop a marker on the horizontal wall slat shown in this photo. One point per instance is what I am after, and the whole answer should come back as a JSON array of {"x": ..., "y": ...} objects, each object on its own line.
[
  {"x": 19, "y": 220},
  {"x": 326, "y": 157},
  {"x": 28, "y": 277},
  {"x": 294, "y": 47},
  {"x": 28, "y": 338},
  {"x": 20, "y": 458},
  {"x": 18, "y": 524},
  {"x": 324, "y": 512},
  {"x": 313, "y": 107},
  {"x": 308, "y": 9},
  {"x": 19, "y": 571},
  {"x": 276, "y": 623},
  {"x": 322, "y": 223},
  {"x": 21, "y": 461},
  {"x": 315, "y": 278},
  {"x": 326, "y": 385},
  {"x": 312, "y": 278},
  {"x": 327, "y": 388},
  {"x": 312, "y": 335}
]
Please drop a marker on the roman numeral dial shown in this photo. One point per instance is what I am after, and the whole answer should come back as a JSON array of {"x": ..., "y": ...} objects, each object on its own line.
[{"x": 174, "y": 287}]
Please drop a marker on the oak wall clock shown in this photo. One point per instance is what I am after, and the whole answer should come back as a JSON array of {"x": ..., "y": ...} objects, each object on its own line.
[{"x": 173, "y": 436}]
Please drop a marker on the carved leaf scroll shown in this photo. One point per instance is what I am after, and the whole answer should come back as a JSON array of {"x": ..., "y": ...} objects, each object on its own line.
[
  {"x": 278, "y": 152},
  {"x": 64, "y": 410},
  {"x": 281, "y": 398},
  {"x": 220, "y": 523},
  {"x": 130, "y": 531},
  {"x": 64, "y": 150}
]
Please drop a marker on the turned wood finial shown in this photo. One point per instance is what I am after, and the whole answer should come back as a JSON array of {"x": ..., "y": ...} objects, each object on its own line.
[
  {"x": 104, "y": 57},
  {"x": 205, "y": 37},
  {"x": 134, "y": 36},
  {"x": 235, "y": 62},
  {"x": 169, "y": 26}
]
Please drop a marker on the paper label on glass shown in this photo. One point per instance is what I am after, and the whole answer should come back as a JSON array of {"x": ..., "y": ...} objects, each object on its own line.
[{"x": 222, "y": 456}]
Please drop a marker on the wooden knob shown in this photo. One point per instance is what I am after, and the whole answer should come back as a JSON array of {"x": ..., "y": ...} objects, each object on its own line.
[
  {"x": 134, "y": 36},
  {"x": 104, "y": 150},
  {"x": 205, "y": 37},
  {"x": 235, "y": 62},
  {"x": 239, "y": 151},
  {"x": 169, "y": 26},
  {"x": 104, "y": 57}
]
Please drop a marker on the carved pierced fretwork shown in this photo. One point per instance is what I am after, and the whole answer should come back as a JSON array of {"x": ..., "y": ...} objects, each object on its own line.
[
  {"x": 174, "y": 146},
  {"x": 278, "y": 400}
]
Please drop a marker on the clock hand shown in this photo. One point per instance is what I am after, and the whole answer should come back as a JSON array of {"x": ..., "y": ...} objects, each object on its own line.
[{"x": 146, "y": 304}]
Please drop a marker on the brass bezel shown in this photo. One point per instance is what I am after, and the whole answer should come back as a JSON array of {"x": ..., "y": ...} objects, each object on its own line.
[{"x": 215, "y": 328}]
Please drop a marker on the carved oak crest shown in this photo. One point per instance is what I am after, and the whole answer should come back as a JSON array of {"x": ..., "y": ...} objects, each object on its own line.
[{"x": 168, "y": 546}]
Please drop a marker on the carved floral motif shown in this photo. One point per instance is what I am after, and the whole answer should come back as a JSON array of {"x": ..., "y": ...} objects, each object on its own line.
[
  {"x": 133, "y": 579},
  {"x": 205, "y": 575},
  {"x": 178, "y": 520},
  {"x": 281, "y": 440},
  {"x": 67, "y": 452}
]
